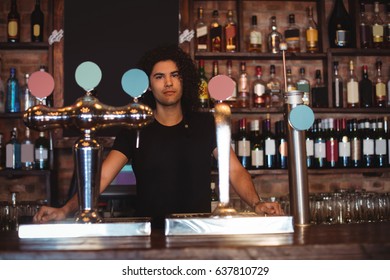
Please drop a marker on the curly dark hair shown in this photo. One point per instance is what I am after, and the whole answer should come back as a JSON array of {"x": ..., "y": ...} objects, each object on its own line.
[{"x": 187, "y": 72}]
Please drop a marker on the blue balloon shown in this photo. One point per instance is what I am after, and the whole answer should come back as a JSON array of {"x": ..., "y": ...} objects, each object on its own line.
[
  {"x": 301, "y": 117},
  {"x": 135, "y": 82},
  {"x": 88, "y": 75}
]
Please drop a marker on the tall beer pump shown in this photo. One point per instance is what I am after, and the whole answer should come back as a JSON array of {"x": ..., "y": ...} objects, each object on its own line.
[{"x": 88, "y": 115}]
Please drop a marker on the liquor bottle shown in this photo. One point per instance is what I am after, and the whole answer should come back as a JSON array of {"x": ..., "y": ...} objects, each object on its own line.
[
  {"x": 243, "y": 144},
  {"x": 204, "y": 97},
  {"x": 13, "y": 24},
  {"x": 365, "y": 28},
  {"x": 368, "y": 143},
  {"x": 41, "y": 152},
  {"x": 230, "y": 33},
  {"x": 381, "y": 151},
  {"x": 37, "y": 23},
  {"x": 377, "y": 28},
  {"x": 319, "y": 93},
  {"x": 215, "y": 33},
  {"x": 231, "y": 101},
  {"x": 2, "y": 96},
  {"x": 274, "y": 87},
  {"x": 344, "y": 143},
  {"x": 332, "y": 144},
  {"x": 214, "y": 199},
  {"x": 291, "y": 85},
  {"x": 2, "y": 152},
  {"x": 27, "y": 99},
  {"x": 269, "y": 144},
  {"x": 261, "y": 98},
  {"x": 215, "y": 68},
  {"x": 281, "y": 145},
  {"x": 201, "y": 33},
  {"x": 311, "y": 33},
  {"x": 257, "y": 146},
  {"x": 12, "y": 156},
  {"x": 303, "y": 85},
  {"x": 387, "y": 133},
  {"x": 353, "y": 96},
  {"x": 356, "y": 143},
  {"x": 309, "y": 141},
  {"x": 366, "y": 89},
  {"x": 319, "y": 146},
  {"x": 379, "y": 86},
  {"x": 341, "y": 30},
  {"x": 12, "y": 103},
  {"x": 274, "y": 38},
  {"x": 27, "y": 151},
  {"x": 243, "y": 98},
  {"x": 292, "y": 35},
  {"x": 255, "y": 37},
  {"x": 386, "y": 31},
  {"x": 337, "y": 87}
]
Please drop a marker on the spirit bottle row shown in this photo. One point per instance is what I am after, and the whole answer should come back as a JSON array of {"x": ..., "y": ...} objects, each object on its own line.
[
  {"x": 223, "y": 37},
  {"x": 25, "y": 153}
]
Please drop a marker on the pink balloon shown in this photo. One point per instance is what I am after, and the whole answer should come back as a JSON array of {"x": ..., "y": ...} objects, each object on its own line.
[
  {"x": 221, "y": 87},
  {"x": 41, "y": 84}
]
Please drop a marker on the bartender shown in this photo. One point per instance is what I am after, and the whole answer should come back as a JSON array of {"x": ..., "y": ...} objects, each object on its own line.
[{"x": 171, "y": 157}]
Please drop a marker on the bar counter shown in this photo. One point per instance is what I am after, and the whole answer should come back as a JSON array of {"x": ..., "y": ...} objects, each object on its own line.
[{"x": 348, "y": 241}]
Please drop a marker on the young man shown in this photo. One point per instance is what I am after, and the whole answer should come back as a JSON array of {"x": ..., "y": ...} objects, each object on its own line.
[{"x": 172, "y": 162}]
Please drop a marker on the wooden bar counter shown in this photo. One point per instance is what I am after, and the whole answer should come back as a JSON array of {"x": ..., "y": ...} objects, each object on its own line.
[{"x": 349, "y": 241}]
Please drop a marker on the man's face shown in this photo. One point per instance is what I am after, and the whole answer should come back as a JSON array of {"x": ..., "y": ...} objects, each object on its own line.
[{"x": 166, "y": 83}]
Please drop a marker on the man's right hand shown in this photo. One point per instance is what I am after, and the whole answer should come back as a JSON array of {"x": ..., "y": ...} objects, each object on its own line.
[{"x": 47, "y": 214}]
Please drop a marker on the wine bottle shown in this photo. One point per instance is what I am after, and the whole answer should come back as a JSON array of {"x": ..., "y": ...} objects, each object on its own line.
[
  {"x": 311, "y": 33},
  {"x": 12, "y": 97},
  {"x": 244, "y": 144},
  {"x": 41, "y": 152},
  {"x": 381, "y": 151},
  {"x": 204, "y": 97},
  {"x": 337, "y": 87},
  {"x": 368, "y": 143},
  {"x": 257, "y": 146},
  {"x": 344, "y": 142},
  {"x": 13, "y": 151},
  {"x": 379, "y": 86},
  {"x": 309, "y": 141},
  {"x": 319, "y": 92},
  {"x": 255, "y": 36},
  {"x": 269, "y": 143},
  {"x": 365, "y": 28},
  {"x": 230, "y": 33},
  {"x": 274, "y": 38},
  {"x": 341, "y": 30},
  {"x": 243, "y": 98},
  {"x": 303, "y": 85},
  {"x": 215, "y": 68},
  {"x": 37, "y": 23},
  {"x": 353, "y": 96},
  {"x": 27, "y": 151},
  {"x": 274, "y": 87},
  {"x": 377, "y": 28},
  {"x": 366, "y": 89},
  {"x": 332, "y": 145},
  {"x": 201, "y": 33},
  {"x": 281, "y": 145},
  {"x": 356, "y": 143},
  {"x": 261, "y": 98},
  {"x": 215, "y": 33},
  {"x": 13, "y": 24},
  {"x": 319, "y": 145},
  {"x": 292, "y": 35}
]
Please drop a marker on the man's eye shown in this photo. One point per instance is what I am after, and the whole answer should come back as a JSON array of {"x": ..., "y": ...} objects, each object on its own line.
[{"x": 175, "y": 75}]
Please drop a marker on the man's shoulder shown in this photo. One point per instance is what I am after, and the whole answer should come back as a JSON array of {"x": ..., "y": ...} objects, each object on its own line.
[{"x": 201, "y": 117}]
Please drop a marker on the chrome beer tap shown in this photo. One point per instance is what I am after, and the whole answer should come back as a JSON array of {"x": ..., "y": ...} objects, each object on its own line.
[{"x": 88, "y": 115}]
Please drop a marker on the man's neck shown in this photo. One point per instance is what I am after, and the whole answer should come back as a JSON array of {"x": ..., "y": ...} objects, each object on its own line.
[{"x": 168, "y": 116}]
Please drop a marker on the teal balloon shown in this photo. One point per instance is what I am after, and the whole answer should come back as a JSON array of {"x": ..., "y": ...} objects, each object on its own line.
[
  {"x": 88, "y": 75},
  {"x": 301, "y": 117},
  {"x": 135, "y": 82}
]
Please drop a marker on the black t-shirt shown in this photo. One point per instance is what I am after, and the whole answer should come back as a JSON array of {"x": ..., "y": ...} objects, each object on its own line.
[{"x": 172, "y": 165}]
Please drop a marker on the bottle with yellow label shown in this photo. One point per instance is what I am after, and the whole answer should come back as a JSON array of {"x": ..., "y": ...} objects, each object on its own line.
[
  {"x": 13, "y": 24},
  {"x": 204, "y": 97}
]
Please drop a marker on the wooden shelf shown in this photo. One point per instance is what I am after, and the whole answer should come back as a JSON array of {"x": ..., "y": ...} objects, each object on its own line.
[
  {"x": 24, "y": 46},
  {"x": 258, "y": 56}
]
